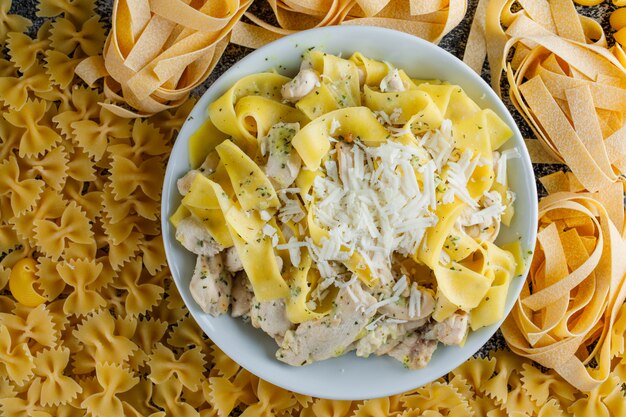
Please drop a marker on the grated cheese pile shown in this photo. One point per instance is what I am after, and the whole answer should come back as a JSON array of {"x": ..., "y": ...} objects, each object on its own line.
[{"x": 371, "y": 200}]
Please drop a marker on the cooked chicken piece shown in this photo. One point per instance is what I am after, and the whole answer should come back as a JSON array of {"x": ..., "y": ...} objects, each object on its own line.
[
  {"x": 271, "y": 317},
  {"x": 386, "y": 336},
  {"x": 375, "y": 339},
  {"x": 361, "y": 72},
  {"x": 401, "y": 309},
  {"x": 301, "y": 85},
  {"x": 210, "y": 285},
  {"x": 414, "y": 351},
  {"x": 241, "y": 297},
  {"x": 192, "y": 234},
  {"x": 184, "y": 182},
  {"x": 232, "y": 260},
  {"x": 330, "y": 335},
  {"x": 451, "y": 331},
  {"x": 392, "y": 83},
  {"x": 283, "y": 163}
]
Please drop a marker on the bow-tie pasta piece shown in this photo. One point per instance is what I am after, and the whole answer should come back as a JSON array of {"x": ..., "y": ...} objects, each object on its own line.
[
  {"x": 98, "y": 331},
  {"x": 23, "y": 194},
  {"x": 80, "y": 167},
  {"x": 141, "y": 295},
  {"x": 76, "y": 10},
  {"x": 128, "y": 176},
  {"x": 66, "y": 36},
  {"x": 81, "y": 274},
  {"x": 508, "y": 368},
  {"x": 153, "y": 255},
  {"x": 84, "y": 105},
  {"x": 438, "y": 397},
  {"x": 25, "y": 405},
  {"x": 272, "y": 400},
  {"x": 145, "y": 140},
  {"x": 149, "y": 332},
  {"x": 328, "y": 408},
  {"x": 139, "y": 398},
  {"x": 56, "y": 388},
  {"x": 14, "y": 90},
  {"x": 55, "y": 237},
  {"x": 139, "y": 203},
  {"x": 32, "y": 326},
  {"x": 546, "y": 386},
  {"x": 24, "y": 50},
  {"x": 167, "y": 396},
  {"x": 36, "y": 137},
  {"x": 84, "y": 194},
  {"x": 169, "y": 122},
  {"x": 49, "y": 206},
  {"x": 16, "y": 361},
  {"x": 598, "y": 401},
  {"x": 186, "y": 333},
  {"x": 11, "y": 22},
  {"x": 93, "y": 136},
  {"x": 51, "y": 167},
  {"x": 60, "y": 68},
  {"x": 476, "y": 371},
  {"x": 187, "y": 368},
  {"x": 113, "y": 380}
]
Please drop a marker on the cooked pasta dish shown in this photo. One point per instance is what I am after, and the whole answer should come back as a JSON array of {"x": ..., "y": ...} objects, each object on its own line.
[{"x": 350, "y": 208}]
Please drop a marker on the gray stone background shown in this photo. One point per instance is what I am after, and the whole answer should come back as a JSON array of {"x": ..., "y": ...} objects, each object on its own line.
[{"x": 454, "y": 42}]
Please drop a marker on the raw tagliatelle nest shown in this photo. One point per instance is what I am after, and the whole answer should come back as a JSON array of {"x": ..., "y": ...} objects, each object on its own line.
[
  {"x": 563, "y": 78},
  {"x": 158, "y": 51}
]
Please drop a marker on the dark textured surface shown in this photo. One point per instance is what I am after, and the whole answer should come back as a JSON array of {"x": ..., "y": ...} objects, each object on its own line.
[{"x": 454, "y": 42}]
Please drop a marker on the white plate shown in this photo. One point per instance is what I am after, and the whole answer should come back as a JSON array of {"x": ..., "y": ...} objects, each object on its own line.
[{"x": 346, "y": 377}]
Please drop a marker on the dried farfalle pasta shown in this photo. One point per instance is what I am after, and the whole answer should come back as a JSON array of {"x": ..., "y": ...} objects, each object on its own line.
[
  {"x": 146, "y": 140},
  {"x": 90, "y": 201},
  {"x": 437, "y": 396},
  {"x": 80, "y": 167},
  {"x": 31, "y": 326},
  {"x": 14, "y": 90},
  {"x": 24, "y": 50},
  {"x": 113, "y": 380},
  {"x": 22, "y": 194},
  {"x": 186, "y": 333},
  {"x": 153, "y": 255},
  {"x": 116, "y": 211},
  {"x": 84, "y": 105},
  {"x": 65, "y": 36},
  {"x": 60, "y": 67},
  {"x": 93, "y": 136},
  {"x": 271, "y": 400},
  {"x": 11, "y": 22},
  {"x": 595, "y": 403},
  {"x": 51, "y": 167},
  {"x": 75, "y": 10},
  {"x": 81, "y": 274},
  {"x": 98, "y": 331},
  {"x": 25, "y": 405},
  {"x": 167, "y": 396},
  {"x": 141, "y": 295},
  {"x": 328, "y": 408},
  {"x": 508, "y": 368},
  {"x": 16, "y": 362},
  {"x": 56, "y": 388},
  {"x": 128, "y": 176},
  {"x": 476, "y": 371},
  {"x": 187, "y": 368},
  {"x": 149, "y": 332},
  {"x": 73, "y": 227},
  {"x": 36, "y": 137},
  {"x": 544, "y": 386},
  {"x": 50, "y": 205},
  {"x": 224, "y": 395}
]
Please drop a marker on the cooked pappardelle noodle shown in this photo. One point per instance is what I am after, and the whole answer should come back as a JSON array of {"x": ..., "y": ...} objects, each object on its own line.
[{"x": 350, "y": 208}]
